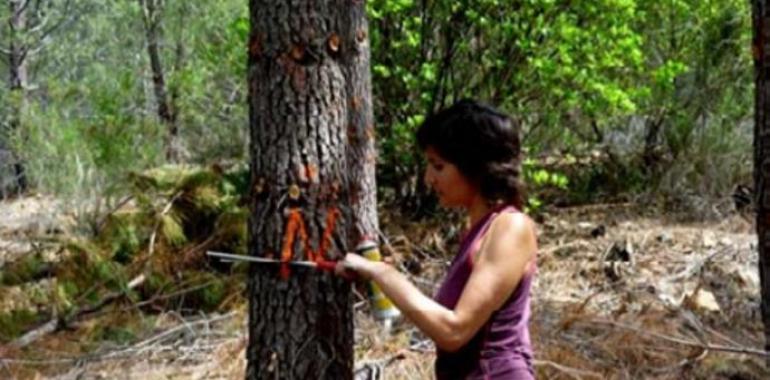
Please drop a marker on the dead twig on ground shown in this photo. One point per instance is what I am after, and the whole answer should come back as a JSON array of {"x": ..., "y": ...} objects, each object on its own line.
[
  {"x": 683, "y": 363},
  {"x": 572, "y": 372},
  {"x": 100, "y": 225},
  {"x": 694, "y": 268},
  {"x": 677, "y": 340},
  {"x": 185, "y": 325},
  {"x": 154, "y": 344},
  {"x": 57, "y": 323}
]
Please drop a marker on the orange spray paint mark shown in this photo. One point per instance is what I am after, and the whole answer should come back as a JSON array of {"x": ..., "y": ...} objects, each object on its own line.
[{"x": 295, "y": 225}]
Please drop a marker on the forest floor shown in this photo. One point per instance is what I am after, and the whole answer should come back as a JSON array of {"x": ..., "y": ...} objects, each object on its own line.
[{"x": 621, "y": 293}]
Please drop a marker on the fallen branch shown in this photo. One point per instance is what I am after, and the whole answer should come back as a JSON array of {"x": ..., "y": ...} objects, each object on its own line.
[
  {"x": 16, "y": 274},
  {"x": 572, "y": 372},
  {"x": 176, "y": 330},
  {"x": 170, "y": 295},
  {"x": 57, "y": 323},
  {"x": 129, "y": 352},
  {"x": 705, "y": 346},
  {"x": 682, "y": 363},
  {"x": 100, "y": 225},
  {"x": 694, "y": 268}
]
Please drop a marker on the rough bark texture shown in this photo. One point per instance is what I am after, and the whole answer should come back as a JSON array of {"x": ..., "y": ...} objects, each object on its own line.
[
  {"x": 166, "y": 111},
  {"x": 362, "y": 155},
  {"x": 311, "y": 130},
  {"x": 761, "y": 50},
  {"x": 12, "y": 176}
]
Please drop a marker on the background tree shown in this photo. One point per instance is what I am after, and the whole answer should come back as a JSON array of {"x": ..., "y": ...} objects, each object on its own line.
[
  {"x": 698, "y": 108},
  {"x": 638, "y": 102},
  {"x": 93, "y": 99},
  {"x": 564, "y": 69},
  {"x": 610, "y": 77},
  {"x": 309, "y": 99},
  {"x": 614, "y": 78},
  {"x": 30, "y": 25},
  {"x": 761, "y": 49},
  {"x": 165, "y": 98}
]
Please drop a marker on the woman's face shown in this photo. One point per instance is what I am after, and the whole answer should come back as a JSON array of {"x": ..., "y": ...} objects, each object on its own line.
[{"x": 452, "y": 188}]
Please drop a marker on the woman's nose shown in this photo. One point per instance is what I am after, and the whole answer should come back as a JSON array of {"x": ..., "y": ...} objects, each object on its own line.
[{"x": 428, "y": 179}]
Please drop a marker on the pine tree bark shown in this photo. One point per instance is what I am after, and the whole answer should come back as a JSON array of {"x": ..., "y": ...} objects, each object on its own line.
[
  {"x": 312, "y": 149},
  {"x": 151, "y": 16},
  {"x": 12, "y": 174},
  {"x": 362, "y": 154},
  {"x": 761, "y": 51}
]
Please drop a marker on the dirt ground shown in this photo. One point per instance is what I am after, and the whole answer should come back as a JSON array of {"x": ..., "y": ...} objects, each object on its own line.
[{"x": 620, "y": 294}]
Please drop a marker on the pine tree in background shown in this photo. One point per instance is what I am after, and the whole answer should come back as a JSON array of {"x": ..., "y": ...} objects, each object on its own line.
[
  {"x": 12, "y": 177},
  {"x": 312, "y": 165}
]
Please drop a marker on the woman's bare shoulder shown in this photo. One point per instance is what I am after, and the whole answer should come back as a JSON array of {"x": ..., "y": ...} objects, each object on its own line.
[{"x": 512, "y": 224}]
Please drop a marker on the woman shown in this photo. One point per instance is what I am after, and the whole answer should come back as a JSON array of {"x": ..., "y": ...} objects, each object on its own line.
[{"x": 479, "y": 317}]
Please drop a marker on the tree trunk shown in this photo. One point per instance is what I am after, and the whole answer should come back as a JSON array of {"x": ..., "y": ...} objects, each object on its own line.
[
  {"x": 761, "y": 50},
  {"x": 309, "y": 98},
  {"x": 151, "y": 16},
  {"x": 18, "y": 69},
  {"x": 362, "y": 154},
  {"x": 12, "y": 175}
]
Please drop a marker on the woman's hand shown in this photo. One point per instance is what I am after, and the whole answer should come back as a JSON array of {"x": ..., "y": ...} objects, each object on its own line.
[{"x": 355, "y": 266}]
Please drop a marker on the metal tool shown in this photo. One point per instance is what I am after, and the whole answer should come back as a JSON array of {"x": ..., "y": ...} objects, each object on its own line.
[
  {"x": 383, "y": 308},
  {"x": 327, "y": 266}
]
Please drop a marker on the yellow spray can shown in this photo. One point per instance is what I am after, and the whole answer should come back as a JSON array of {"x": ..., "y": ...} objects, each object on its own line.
[{"x": 382, "y": 308}]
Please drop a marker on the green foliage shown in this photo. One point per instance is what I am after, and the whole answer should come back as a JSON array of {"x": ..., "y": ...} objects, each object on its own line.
[
  {"x": 578, "y": 76},
  {"x": 87, "y": 273},
  {"x": 117, "y": 334},
  {"x": 632, "y": 78},
  {"x": 16, "y": 322},
  {"x": 123, "y": 234},
  {"x": 540, "y": 180},
  {"x": 553, "y": 64},
  {"x": 198, "y": 202},
  {"x": 701, "y": 96},
  {"x": 663, "y": 90},
  {"x": 25, "y": 269},
  {"x": 178, "y": 209},
  {"x": 89, "y": 116}
]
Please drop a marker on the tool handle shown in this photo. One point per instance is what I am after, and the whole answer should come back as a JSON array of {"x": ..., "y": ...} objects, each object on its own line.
[{"x": 326, "y": 266}]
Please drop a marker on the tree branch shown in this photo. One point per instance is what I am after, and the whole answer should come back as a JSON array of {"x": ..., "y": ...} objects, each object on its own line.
[
  {"x": 704, "y": 345},
  {"x": 57, "y": 323}
]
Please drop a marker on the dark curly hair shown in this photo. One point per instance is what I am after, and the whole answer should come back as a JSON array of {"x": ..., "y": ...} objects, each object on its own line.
[{"x": 484, "y": 145}]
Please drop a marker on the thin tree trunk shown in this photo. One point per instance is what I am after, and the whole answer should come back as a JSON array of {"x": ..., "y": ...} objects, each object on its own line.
[
  {"x": 17, "y": 66},
  {"x": 309, "y": 97},
  {"x": 17, "y": 82},
  {"x": 151, "y": 15},
  {"x": 761, "y": 50}
]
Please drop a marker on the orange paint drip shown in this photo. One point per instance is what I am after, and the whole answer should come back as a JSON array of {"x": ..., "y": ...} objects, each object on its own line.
[
  {"x": 288, "y": 241},
  {"x": 331, "y": 221}
]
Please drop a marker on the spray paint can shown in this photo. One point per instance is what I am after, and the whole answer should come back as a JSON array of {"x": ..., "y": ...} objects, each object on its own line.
[{"x": 382, "y": 307}]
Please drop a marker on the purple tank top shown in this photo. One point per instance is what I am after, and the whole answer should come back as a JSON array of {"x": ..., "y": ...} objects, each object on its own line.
[{"x": 501, "y": 349}]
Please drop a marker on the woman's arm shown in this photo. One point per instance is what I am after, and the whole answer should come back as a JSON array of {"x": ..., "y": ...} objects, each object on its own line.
[{"x": 507, "y": 248}]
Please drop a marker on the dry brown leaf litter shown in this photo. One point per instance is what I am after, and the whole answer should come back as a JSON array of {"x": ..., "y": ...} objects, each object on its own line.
[{"x": 619, "y": 294}]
